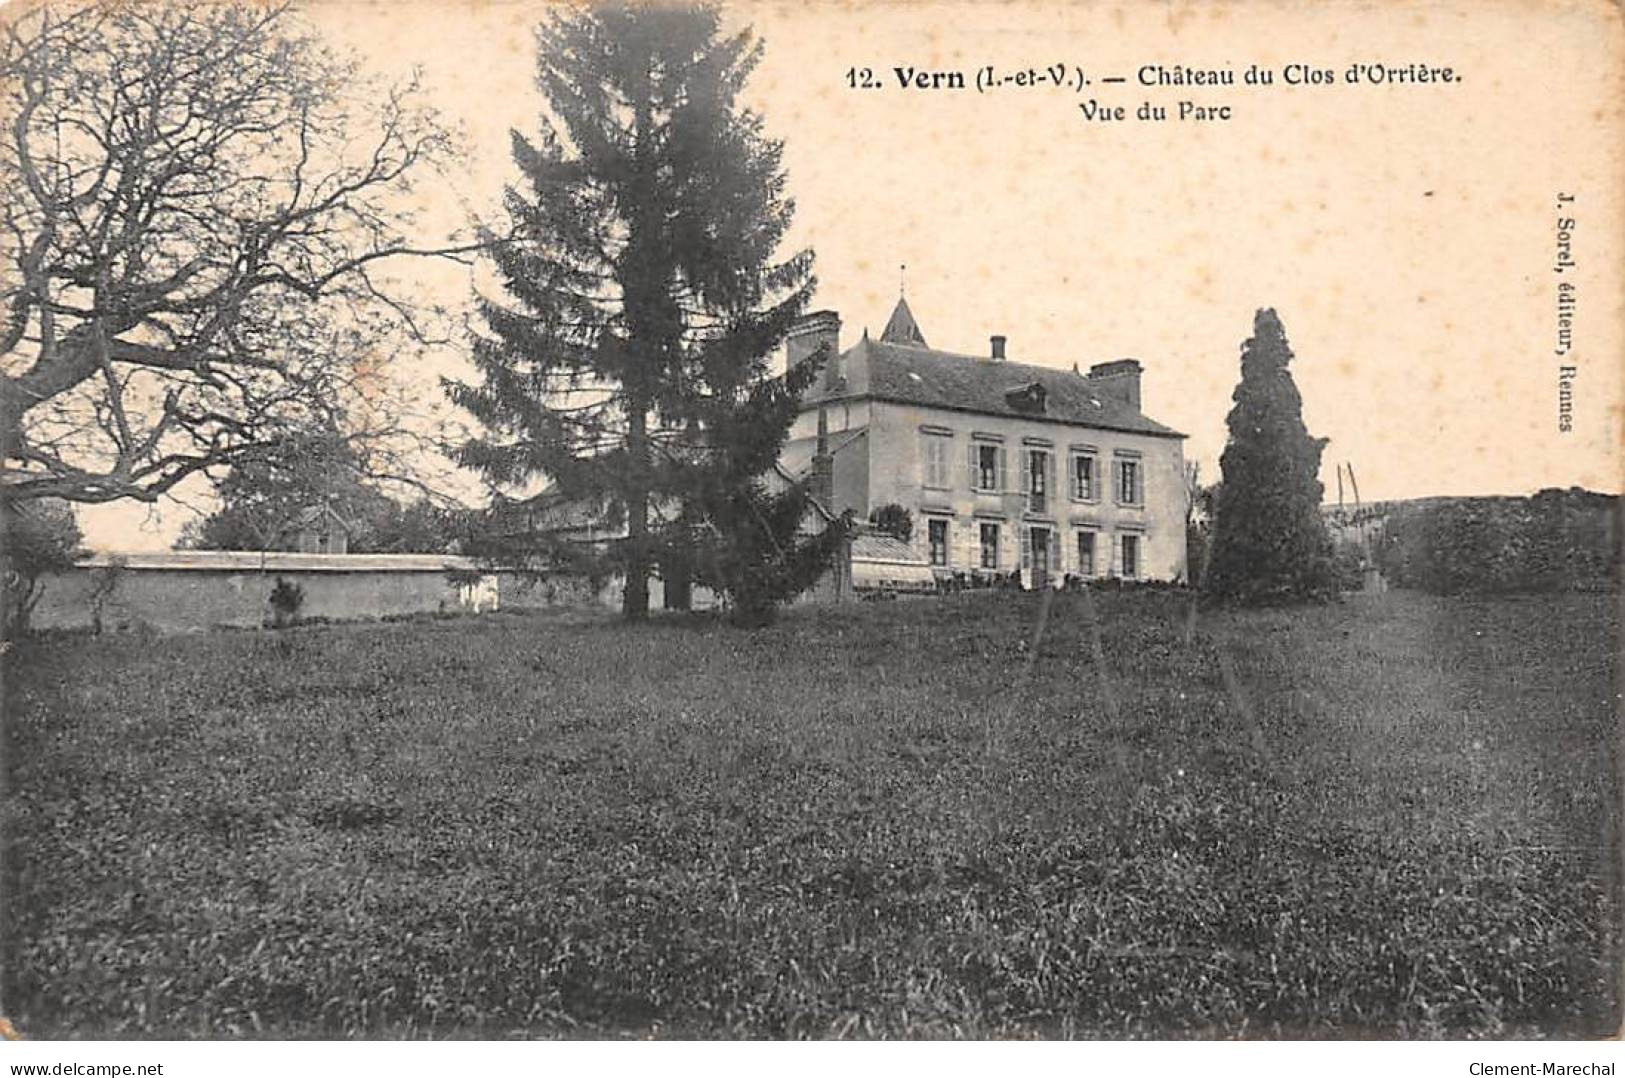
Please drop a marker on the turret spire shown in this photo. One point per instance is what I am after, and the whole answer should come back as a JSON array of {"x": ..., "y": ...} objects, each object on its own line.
[{"x": 902, "y": 329}]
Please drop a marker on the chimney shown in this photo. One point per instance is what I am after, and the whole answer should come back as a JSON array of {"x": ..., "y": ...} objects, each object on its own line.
[
  {"x": 997, "y": 341},
  {"x": 1119, "y": 379},
  {"x": 823, "y": 466},
  {"x": 808, "y": 334}
]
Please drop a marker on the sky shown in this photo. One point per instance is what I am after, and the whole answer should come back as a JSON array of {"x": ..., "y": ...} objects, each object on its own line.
[{"x": 1405, "y": 234}]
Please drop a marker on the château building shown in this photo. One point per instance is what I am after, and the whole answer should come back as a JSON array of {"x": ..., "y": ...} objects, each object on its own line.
[{"x": 1004, "y": 466}]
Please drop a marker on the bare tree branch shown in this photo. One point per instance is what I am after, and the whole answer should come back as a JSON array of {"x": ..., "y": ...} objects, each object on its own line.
[{"x": 196, "y": 198}]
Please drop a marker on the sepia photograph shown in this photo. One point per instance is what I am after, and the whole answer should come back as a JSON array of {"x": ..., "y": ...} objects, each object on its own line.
[{"x": 745, "y": 521}]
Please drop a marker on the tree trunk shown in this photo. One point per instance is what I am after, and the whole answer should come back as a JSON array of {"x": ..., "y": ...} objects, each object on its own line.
[
  {"x": 635, "y": 599},
  {"x": 677, "y": 574},
  {"x": 14, "y": 604}
]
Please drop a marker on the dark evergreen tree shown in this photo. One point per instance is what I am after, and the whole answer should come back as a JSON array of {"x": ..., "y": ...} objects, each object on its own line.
[
  {"x": 1269, "y": 544},
  {"x": 643, "y": 291},
  {"x": 749, "y": 541}
]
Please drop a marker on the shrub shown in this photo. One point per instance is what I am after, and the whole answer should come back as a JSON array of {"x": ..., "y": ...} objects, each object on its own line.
[
  {"x": 40, "y": 537},
  {"x": 286, "y": 599},
  {"x": 893, "y": 520},
  {"x": 1349, "y": 562}
]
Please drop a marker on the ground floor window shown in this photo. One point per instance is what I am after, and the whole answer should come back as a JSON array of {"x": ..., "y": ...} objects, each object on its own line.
[
  {"x": 937, "y": 532},
  {"x": 1086, "y": 553},
  {"x": 1038, "y": 552},
  {"x": 1131, "y": 557},
  {"x": 990, "y": 546}
]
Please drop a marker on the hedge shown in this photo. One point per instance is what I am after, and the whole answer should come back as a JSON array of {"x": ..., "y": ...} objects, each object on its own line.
[{"x": 1556, "y": 540}]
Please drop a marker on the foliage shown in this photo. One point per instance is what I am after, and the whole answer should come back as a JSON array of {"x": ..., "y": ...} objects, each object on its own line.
[
  {"x": 1198, "y": 540},
  {"x": 198, "y": 200},
  {"x": 1269, "y": 544},
  {"x": 1349, "y": 564},
  {"x": 1552, "y": 541},
  {"x": 643, "y": 298},
  {"x": 36, "y": 538},
  {"x": 265, "y": 499},
  {"x": 421, "y": 527},
  {"x": 756, "y": 557},
  {"x": 857, "y": 822},
  {"x": 286, "y": 599},
  {"x": 756, "y": 546},
  {"x": 893, "y": 520}
]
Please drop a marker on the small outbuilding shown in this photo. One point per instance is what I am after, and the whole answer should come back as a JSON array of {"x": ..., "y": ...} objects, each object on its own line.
[{"x": 320, "y": 530}]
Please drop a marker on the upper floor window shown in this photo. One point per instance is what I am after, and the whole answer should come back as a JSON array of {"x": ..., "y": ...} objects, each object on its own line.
[
  {"x": 1129, "y": 491},
  {"x": 1084, "y": 479},
  {"x": 1038, "y": 480},
  {"x": 937, "y": 533},
  {"x": 935, "y": 450},
  {"x": 987, "y": 467}
]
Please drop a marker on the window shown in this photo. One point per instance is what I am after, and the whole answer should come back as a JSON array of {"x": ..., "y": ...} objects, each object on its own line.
[
  {"x": 1086, "y": 554},
  {"x": 1131, "y": 557},
  {"x": 987, "y": 467},
  {"x": 937, "y": 531},
  {"x": 1128, "y": 482},
  {"x": 935, "y": 447},
  {"x": 1038, "y": 560},
  {"x": 1038, "y": 480},
  {"x": 990, "y": 545},
  {"x": 1083, "y": 477}
]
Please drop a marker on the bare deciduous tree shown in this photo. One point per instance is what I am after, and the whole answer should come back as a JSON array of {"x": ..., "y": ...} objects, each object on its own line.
[{"x": 198, "y": 202}]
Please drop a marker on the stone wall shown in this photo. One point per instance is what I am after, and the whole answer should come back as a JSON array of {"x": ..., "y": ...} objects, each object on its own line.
[
  {"x": 195, "y": 591},
  {"x": 200, "y": 590}
]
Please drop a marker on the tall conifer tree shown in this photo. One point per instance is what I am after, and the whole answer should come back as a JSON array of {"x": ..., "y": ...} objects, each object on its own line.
[
  {"x": 628, "y": 363},
  {"x": 1269, "y": 542}
]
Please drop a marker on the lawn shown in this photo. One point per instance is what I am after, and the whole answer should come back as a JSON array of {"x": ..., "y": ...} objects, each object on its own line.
[{"x": 1391, "y": 817}]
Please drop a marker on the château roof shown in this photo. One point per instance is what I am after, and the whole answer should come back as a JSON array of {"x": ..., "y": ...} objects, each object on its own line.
[{"x": 915, "y": 374}]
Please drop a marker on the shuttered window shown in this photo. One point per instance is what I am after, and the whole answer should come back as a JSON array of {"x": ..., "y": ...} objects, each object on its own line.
[
  {"x": 1040, "y": 479},
  {"x": 990, "y": 545},
  {"x": 934, "y": 449},
  {"x": 1037, "y": 481},
  {"x": 1128, "y": 482},
  {"x": 1086, "y": 553},
  {"x": 987, "y": 467},
  {"x": 937, "y": 531},
  {"x": 1131, "y": 557},
  {"x": 1083, "y": 477}
]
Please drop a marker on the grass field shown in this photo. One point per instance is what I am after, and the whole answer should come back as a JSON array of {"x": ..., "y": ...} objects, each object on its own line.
[{"x": 1392, "y": 817}]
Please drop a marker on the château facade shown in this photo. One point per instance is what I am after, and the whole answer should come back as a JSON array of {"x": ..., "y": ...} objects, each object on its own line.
[{"x": 1004, "y": 466}]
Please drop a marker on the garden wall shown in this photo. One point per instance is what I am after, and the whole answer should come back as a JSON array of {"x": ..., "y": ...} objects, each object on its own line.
[
  {"x": 197, "y": 590},
  {"x": 190, "y": 591}
]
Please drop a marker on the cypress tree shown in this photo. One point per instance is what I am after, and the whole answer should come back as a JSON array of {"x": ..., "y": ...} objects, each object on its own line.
[
  {"x": 1269, "y": 542},
  {"x": 629, "y": 362}
]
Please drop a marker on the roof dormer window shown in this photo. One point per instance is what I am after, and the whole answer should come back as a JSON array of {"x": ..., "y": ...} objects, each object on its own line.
[{"x": 1027, "y": 398}]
